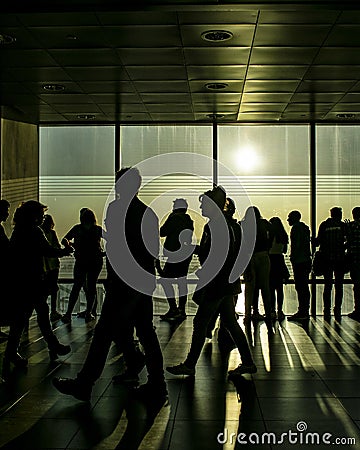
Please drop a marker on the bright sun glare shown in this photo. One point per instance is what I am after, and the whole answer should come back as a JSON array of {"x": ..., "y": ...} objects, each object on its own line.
[{"x": 247, "y": 159}]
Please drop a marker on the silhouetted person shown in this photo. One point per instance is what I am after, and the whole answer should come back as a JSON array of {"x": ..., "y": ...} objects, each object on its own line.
[
  {"x": 278, "y": 269},
  {"x": 4, "y": 264},
  {"x": 353, "y": 250},
  {"x": 51, "y": 267},
  {"x": 86, "y": 240},
  {"x": 217, "y": 255},
  {"x": 178, "y": 232},
  {"x": 331, "y": 239},
  {"x": 224, "y": 339},
  {"x": 132, "y": 245},
  {"x": 28, "y": 246},
  {"x": 257, "y": 273},
  {"x": 300, "y": 257}
]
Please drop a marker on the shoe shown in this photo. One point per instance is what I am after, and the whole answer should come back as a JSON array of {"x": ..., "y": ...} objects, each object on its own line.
[
  {"x": 17, "y": 360},
  {"x": 172, "y": 314},
  {"x": 241, "y": 369},
  {"x": 81, "y": 314},
  {"x": 72, "y": 387},
  {"x": 58, "y": 349},
  {"x": 327, "y": 316},
  {"x": 299, "y": 316},
  {"x": 280, "y": 316},
  {"x": 181, "y": 369},
  {"x": 247, "y": 320},
  {"x": 126, "y": 378},
  {"x": 154, "y": 397},
  {"x": 89, "y": 317},
  {"x": 54, "y": 315},
  {"x": 257, "y": 316},
  {"x": 354, "y": 315},
  {"x": 182, "y": 314},
  {"x": 273, "y": 315},
  {"x": 66, "y": 318},
  {"x": 337, "y": 315}
]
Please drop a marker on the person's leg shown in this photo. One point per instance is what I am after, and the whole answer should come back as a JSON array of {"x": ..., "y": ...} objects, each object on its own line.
[
  {"x": 92, "y": 275},
  {"x": 339, "y": 282},
  {"x": 301, "y": 280},
  {"x": 328, "y": 275},
  {"x": 229, "y": 321},
  {"x": 79, "y": 280},
  {"x": 250, "y": 283},
  {"x": 262, "y": 269}
]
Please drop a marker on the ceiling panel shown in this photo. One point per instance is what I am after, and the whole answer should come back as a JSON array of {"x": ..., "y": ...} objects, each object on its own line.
[{"x": 288, "y": 61}]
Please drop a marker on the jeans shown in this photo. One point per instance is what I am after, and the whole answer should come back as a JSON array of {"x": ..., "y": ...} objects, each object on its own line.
[
  {"x": 124, "y": 309},
  {"x": 301, "y": 279},
  {"x": 208, "y": 307}
]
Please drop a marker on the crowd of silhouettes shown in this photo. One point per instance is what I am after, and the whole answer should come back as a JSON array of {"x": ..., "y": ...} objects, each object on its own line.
[{"x": 29, "y": 269}]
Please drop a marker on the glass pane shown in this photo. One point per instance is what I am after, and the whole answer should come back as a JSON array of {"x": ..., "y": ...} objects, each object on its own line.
[
  {"x": 337, "y": 178},
  {"x": 76, "y": 171},
  {"x": 267, "y": 166}
]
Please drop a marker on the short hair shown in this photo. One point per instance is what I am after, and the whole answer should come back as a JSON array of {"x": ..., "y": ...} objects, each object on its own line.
[
  {"x": 217, "y": 195},
  {"x": 336, "y": 212},
  {"x": 295, "y": 214},
  {"x": 356, "y": 213},
  {"x": 180, "y": 203}
]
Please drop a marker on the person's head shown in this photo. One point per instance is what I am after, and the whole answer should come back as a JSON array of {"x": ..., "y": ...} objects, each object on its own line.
[
  {"x": 252, "y": 212},
  {"x": 4, "y": 210},
  {"x": 229, "y": 208},
  {"x": 48, "y": 223},
  {"x": 30, "y": 213},
  {"x": 212, "y": 202},
  {"x": 336, "y": 212},
  {"x": 356, "y": 213},
  {"x": 87, "y": 217},
  {"x": 180, "y": 205},
  {"x": 279, "y": 230},
  {"x": 128, "y": 182},
  {"x": 293, "y": 217}
]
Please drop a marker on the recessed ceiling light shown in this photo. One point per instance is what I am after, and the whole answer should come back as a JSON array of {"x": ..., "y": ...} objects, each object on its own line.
[
  {"x": 6, "y": 39},
  {"x": 215, "y": 116},
  {"x": 216, "y": 35},
  {"x": 216, "y": 86},
  {"x": 53, "y": 87},
  {"x": 345, "y": 116},
  {"x": 86, "y": 116}
]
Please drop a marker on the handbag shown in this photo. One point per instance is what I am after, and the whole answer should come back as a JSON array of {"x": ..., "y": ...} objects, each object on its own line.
[{"x": 318, "y": 263}]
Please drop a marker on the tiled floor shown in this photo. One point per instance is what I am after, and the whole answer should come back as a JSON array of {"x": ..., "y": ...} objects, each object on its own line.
[{"x": 307, "y": 385}]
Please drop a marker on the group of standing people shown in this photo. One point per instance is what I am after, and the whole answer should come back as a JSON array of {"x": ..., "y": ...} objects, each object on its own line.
[{"x": 132, "y": 235}]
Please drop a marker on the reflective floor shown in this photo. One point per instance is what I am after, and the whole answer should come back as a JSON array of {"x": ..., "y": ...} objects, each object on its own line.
[{"x": 305, "y": 394}]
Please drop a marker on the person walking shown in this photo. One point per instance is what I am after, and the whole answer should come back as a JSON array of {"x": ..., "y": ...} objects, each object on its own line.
[
  {"x": 4, "y": 264},
  {"x": 331, "y": 241},
  {"x": 132, "y": 245},
  {"x": 216, "y": 294},
  {"x": 300, "y": 257}
]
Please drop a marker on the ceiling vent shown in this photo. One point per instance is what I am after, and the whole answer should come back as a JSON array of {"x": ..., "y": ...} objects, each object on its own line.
[
  {"x": 215, "y": 116},
  {"x": 216, "y": 86},
  {"x": 53, "y": 87},
  {"x": 86, "y": 116},
  {"x": 216, "y": 35},
  {"x": 5, "y": 39},
  {"x": 346, "y": 116}
]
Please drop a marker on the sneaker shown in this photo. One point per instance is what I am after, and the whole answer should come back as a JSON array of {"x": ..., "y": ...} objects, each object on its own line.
[
  {"x": 298, "y": 316},
  {"x": 181, "y": 369},
  {"x": 54, "y": 315},
  {"x": 354, "y": 315},
  {"x": 72, "y": 387},
  {"x": 126, "y": 377},
  {"x": 243, "y": 368},
  {"x": 58, "y": 350},
  {"x": 257, "y": 316},
  {"x": 172, "y": 314},
  {"x": 66, "y": 318}
]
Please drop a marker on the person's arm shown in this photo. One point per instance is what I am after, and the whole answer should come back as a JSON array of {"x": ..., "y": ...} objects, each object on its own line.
[
  {"x": 50, "y": 251},
  {"x": 165, "y": 229},
  {"x": 69, "y": 236}
]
